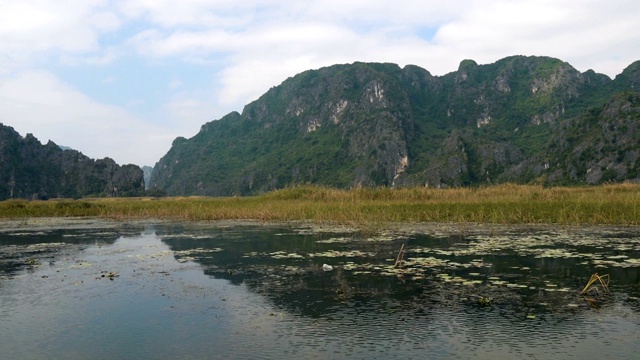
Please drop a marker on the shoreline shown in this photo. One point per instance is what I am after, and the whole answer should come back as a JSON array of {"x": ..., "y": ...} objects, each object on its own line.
[{"x": 57, "y": 223}]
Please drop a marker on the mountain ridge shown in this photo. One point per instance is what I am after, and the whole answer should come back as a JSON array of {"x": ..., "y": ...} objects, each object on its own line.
[
  {"x": 377, "y": 124},
  {"x": 32, "y": 170}
]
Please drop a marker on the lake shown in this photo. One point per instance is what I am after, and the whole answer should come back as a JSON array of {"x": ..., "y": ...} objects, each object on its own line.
[{"x": 259, "y": 291}]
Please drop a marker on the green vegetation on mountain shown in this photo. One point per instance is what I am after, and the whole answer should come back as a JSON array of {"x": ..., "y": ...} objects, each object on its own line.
[
  {"x": 528, "y": 120},
  {"x": 520, "y": 119},
  {"x": 31, "y": 170}
]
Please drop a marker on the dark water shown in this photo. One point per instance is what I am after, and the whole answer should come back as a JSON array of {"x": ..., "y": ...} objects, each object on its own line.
[{"x": 202, "y": 292}]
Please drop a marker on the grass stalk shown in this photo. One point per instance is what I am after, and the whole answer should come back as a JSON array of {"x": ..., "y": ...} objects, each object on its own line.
[{"x": 500, "y": 204}]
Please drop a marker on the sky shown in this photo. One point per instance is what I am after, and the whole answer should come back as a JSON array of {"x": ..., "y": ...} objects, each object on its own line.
[{"x": 124, "y": 78}]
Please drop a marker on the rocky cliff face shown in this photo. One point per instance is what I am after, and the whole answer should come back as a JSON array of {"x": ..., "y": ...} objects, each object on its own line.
[
  {"x": 377, "y": 124},
  {"x": 29, "y": 169},
  {"x": 600, "y": 145}
]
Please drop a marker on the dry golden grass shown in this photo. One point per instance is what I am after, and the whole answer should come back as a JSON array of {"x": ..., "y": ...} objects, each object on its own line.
[{"x": 506, "y": 204}]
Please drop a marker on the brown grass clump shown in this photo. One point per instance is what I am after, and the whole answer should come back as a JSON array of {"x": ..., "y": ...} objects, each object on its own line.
[{"x": 592, "y": 285}]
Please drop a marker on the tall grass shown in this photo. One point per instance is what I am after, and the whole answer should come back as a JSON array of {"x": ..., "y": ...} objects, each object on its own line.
[{"x": 506, "y": 204}]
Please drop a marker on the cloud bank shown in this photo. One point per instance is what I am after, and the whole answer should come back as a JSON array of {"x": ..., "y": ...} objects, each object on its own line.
[{"x": 122, "y": 78}]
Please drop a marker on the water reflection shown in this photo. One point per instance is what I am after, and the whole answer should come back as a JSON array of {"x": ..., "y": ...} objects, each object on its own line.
[
  {"x": 526, "y": 270},
  {"x": 202, "y": 291},
  {"x": 20, "y": 250}
]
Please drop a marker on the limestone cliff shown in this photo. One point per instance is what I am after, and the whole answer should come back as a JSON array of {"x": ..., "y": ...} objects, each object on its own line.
[
  {"x": 29, "y": 169},
  {"x": 521, "y": 119}
]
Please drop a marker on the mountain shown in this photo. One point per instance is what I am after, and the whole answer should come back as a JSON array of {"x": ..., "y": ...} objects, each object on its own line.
[
  {"x": 29, "y": 169},
  {"x": 520, "y": 119}
]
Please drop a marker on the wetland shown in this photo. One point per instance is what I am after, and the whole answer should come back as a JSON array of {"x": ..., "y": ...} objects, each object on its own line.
[{"x": 88, "y": 288}]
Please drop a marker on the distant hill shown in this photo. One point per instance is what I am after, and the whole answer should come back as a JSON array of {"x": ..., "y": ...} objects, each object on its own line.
[
  {"x": 520, "y": 119},
  {"x": 29, "y": 169}
]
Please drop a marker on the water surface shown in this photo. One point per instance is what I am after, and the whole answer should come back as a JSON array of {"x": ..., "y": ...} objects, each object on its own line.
[{"x": 205, "y": 291}]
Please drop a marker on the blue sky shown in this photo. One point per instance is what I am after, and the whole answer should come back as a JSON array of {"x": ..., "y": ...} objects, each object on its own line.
[{"x": 123, "y": 78}]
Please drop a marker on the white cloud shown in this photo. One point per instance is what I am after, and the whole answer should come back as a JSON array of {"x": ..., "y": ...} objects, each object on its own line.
[
  {"x": 28, "y": 28},
  {"x": 287, "y": 37},
  {"x": 174, "y": 84},
  {"x": 155, "y": 43},
  {"x": 189, "y": 113},
  {"x": 203, "y": 13},
  {"x": 245, "y": 47},
  {"x": 101, "y": 57},
  {"x": 37, "y": 102},
  {"x": 585, "y": 35}
]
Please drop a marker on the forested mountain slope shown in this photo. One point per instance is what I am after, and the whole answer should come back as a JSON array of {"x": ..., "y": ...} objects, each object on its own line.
[
  {"x": 520, "y": 119},
  {"x": 29, "y": 169}
]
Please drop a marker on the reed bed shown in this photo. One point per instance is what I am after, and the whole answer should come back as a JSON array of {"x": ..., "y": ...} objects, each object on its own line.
[{"x": 500, "y": 204}]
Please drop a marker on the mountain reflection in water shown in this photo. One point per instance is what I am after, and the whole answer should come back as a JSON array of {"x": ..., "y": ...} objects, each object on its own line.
[{"x": 208, "y": 291}]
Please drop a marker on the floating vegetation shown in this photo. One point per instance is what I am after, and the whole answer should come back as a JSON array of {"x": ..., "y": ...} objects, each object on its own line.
[
  {"x": 109, "y": 275},
  {"x": 156, "y": 255},
  {"x": 32, "y": 262},
  {"x": 28, "y": 233},
  {"x": 312, "y": 229},
  {"x": 553, "y": 245},
  {"x": 198, "y": 251},
  {"x": 632, "y": 262},
  {"x": 336, "y": 240},
  {"x": 482, "y": 300},
  {"x": 383, "y": 238},
  {"x": 425, "y": 262},
  {"x": 344, "y": 253},
  {"x": 533, "y": 272},
  {"x": 449, "y": 268},
  {"x": 184, "y": 256},
  {"x": 285, "y": 255}
]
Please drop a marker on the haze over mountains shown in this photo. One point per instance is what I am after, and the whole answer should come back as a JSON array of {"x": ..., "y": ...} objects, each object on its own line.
[{"x": 520, "y": 119}]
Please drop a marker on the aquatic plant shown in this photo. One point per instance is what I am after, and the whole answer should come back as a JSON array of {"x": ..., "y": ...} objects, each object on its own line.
[
  {"x": 591, "y": 286},
  {"x": 400, "y": 257}
]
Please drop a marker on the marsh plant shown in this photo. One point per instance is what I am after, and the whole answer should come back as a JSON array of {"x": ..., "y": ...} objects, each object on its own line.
[{"x": 501, "y": 204}]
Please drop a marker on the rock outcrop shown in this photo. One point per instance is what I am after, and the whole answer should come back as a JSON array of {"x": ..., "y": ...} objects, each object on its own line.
[
  {"x": 31, "y": 170},
  {"x": 520, "y": 119}
]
